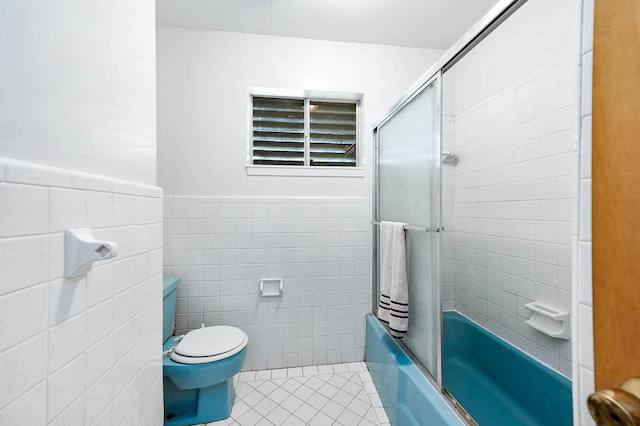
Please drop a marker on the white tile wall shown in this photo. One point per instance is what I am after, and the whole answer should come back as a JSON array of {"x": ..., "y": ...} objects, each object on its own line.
[
  {"x": 583, "y": 367},
  {"x": 220, "y": 247},
  {"x": 508, "y": 208},
  {"x": 448, "y": 179},
  {"x": 64, "y": 341}
]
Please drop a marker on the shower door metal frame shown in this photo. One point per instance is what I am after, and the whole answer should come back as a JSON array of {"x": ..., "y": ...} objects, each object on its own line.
[
  {"x": 436, "y": 381},
  {"x": 500, "y": 11}
]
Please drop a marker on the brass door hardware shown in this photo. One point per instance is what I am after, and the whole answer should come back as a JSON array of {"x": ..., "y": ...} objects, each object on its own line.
[{"x": 619, "y": 407}]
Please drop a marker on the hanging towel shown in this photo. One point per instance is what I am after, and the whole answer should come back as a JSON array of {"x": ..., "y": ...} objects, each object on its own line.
[{"x": 394, "y": 294}]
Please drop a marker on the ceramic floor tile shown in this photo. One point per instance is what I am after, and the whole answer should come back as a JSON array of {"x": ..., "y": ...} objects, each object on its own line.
[
  {"x": 359, "y": 407},
  {"x": 317, "y": 401},
  {"x": 303, "y": 379},
  {"x": 370, "y": 387},
  {"x": 247, "y": 376},
  {"x": 253, "y": 398},
  {"x": 333, "y": 409},
  {"x": 291, "y": 385},
  {"x": 279, "y": 395},
  {"x": 294, "y": 372},
  {"x": 310, "y": 371},
  {"x": 242, "y": 390},
  {"x": 366, "y": 422},
  {"x": 239, "y": 408},
  {"x": 340, "y": 368},
  {"x": 356, "y": 366},
  {"x": 338, "y": 381},
  {"x": 279, "y": 374},
  {"x": 250, "y": 418},
  {"x": 371, "y": 416},
  {"x": 266, "y": 388},
  {"x": 352, "y": 388},
  {"x": 343, "y": 398},
  {"x": 348, "y": 417},
  {"x": 278, "y": 415},
  {"x": 265, "y": 406},
  {"x": 325, "y": 369},
  {"x": 305, "y": 412},
  {"x": 328, "y": 390},
  {"x": 315, "y": 383},
  {"x": 263, "y": 375},
  {"x": 292, "y": 403},
  {"x": 293, "y": 421},
  {"x": 304, "y": 392},
  {"x": 321, "y": 419},
  {"x": 278, "y": 382},
  {"x": 340, "y": 394},
  {"x": 375, "y": 400},
  {"x": 382, "y": 415}
]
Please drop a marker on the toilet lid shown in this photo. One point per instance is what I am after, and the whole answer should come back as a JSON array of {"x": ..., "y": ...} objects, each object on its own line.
[{"x": 209, "y": 344}]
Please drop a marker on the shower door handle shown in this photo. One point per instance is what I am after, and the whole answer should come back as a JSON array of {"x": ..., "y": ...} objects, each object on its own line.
[{"x": 619, "y": 407}]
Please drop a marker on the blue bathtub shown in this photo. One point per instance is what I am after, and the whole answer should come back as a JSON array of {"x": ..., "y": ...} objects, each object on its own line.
[
  {"x": 497, "y": 383},
  {"x": 408, "y": 397}
]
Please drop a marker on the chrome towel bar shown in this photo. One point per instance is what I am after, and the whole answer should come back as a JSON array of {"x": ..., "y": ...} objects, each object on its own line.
[{"x": 414, "y": 228}]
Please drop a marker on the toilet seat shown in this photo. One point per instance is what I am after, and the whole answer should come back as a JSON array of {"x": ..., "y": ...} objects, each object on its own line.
[{"x": 209, "y": 344}]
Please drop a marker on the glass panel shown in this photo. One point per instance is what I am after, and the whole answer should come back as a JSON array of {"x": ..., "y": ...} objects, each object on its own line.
[
  {"x": 408, "y": 191},
  {"x": 278, "y": 131},
  {"x": 332, "y": 134}
]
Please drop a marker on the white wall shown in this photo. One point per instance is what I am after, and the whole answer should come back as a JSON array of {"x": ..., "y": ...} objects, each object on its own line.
[
  {"x": 78, "y": 86},
  {"x": 77, "y": 149},
  {"x": 510, "y": 201},
  {"x": 539, "y": 30},
  {"x": 203, "y": 77},
  {"x": 84, "y": 349}
]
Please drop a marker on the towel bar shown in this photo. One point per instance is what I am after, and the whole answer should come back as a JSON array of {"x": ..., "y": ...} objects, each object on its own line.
[{"x": 413, "y": 228}]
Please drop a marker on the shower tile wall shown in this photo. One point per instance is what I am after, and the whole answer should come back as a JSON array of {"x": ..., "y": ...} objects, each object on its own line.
[
  {"x": 220, "y": 247},
  {"x": 513, "y": 198},
  {"x": 84, "y": 350},
  {"x": 448, "y": 174}
]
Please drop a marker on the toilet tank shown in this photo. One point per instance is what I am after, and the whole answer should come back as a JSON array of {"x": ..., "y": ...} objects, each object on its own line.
[{"x": 169, "y": 290}]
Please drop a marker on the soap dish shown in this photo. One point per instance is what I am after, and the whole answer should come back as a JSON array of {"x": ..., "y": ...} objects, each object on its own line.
[{"x": 549, "y": 321}]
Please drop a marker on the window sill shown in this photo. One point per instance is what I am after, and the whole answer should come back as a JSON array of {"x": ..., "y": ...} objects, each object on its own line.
[{"x": 342, "y": 172}]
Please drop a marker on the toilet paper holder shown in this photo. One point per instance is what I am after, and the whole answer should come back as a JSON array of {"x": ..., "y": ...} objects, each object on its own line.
[
  {"x": 271, "y": 287},
  {"x": 81, "y": 249}
]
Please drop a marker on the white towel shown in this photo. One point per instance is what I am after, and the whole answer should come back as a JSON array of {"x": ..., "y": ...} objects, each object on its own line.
[{"x": 394, "y": 293}]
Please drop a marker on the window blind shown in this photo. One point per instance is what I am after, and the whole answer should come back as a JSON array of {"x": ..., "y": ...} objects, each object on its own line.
[
  {"x": 279, "y": 132},
  {"x": 332, "y": 134}
]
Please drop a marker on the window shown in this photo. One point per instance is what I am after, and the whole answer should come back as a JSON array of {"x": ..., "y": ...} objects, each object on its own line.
[{"x": 309, "y": 130}]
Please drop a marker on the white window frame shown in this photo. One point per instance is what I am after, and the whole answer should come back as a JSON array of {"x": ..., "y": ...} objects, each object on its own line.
[{"x": 306, "y": 170}]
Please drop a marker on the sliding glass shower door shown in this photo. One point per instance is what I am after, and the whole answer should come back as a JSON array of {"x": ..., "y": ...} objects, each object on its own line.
[{"x": 408, "y": 190}]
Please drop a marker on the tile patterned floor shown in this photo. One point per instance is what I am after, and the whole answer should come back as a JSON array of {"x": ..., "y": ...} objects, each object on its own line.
[{"x": 324, "y": 395}]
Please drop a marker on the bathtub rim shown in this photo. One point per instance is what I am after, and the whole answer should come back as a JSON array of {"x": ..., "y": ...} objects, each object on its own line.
[{"x": 457, "y": 408}]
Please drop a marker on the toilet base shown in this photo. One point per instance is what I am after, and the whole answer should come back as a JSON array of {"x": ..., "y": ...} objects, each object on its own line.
[{"x": 184, "y": 407}]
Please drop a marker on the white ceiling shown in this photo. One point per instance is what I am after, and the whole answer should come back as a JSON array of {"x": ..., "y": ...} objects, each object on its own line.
[{"x": 435, "y": 24}]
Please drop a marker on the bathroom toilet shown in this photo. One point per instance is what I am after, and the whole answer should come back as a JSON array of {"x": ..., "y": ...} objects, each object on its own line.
[{"x": 198, "y": 368}]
